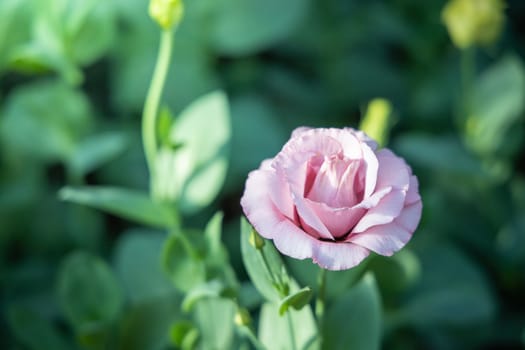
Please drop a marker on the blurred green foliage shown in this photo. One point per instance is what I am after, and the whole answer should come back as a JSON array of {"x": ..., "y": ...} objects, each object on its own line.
[{"x": 73, "y": 78}]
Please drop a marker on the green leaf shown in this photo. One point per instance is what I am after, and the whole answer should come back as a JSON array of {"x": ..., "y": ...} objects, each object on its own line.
[
  {"x": 146, "y": 325},
  {"x": 216, "y": 253},
  {"x": 33, "y": 331},
  {"x": 89, "y": 294},
  {"x": 396, "y": 273},
  {"x": 495, "y": 126},
  {"x": 452, "y": 291},
  {"x": 15, "y": 23},
  {"x": 215, "y": 319},
  {"x": 193, "y": 174},
  {"x": 138, "y": 266},
  {"x": 96, "y": 150},
  {"x": 182, "y": 262},
  {"x": 122, "y": 202},
  {"x": 256, "y": 268},
  {"x": 184, "y": 335},
  {"x": 46, "y": 120},
  {"x": 242, "y": 27},
  {"x": 297, "y": 300},
  {"x": 274, "y": 330},
  {"x": 359, "y": 312},
  {"x": 307, "y": 273},
  {"x": 210, "y": 289}
]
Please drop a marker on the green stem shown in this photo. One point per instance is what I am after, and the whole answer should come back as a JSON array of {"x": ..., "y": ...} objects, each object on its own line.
[
  {"x": 320, "y": 301},
  {"x": 249, "y": 333},
  {"x": 291, "y": 330},
  {"x": 467, "y": 81},
  {"x": 151, "y": 106},
  {"x": 275, "y": 279}
]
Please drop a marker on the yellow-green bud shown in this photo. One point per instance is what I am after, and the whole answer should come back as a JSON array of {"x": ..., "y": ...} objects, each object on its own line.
[
  {"x": 256, "y": 241},
  {"x": 242, "y": 317},
  {"x": 167, "y": 13},
  {"x": 474, "y": 22},
  {"x": 376, "y": 122}
]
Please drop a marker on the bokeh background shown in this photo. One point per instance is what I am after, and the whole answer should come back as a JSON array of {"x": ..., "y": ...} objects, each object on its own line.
[{"x": 73, "y": 78}]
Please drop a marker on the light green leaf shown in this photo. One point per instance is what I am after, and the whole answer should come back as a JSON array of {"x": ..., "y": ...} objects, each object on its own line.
[
  {"x": 254, "y": 264},
  {"x": 46, "y": 120},
  {"x": 206, "y": 290},
  {"x": 89, "y": 294},
  {"x": 96, "y": 150},
  {"x": 138, "y": 266},
  {"x": 242, "y": 27},
  {"x": 33, "y": 331},
  {"x": 193, "y": 174},
  {"x": 498, "y": 104},
  {"x": 297, "y": 300},
  {"x": 125, "y": 203},
  {"x": 275, "y": 330},
  {"x": 182, "y": 262},
  {"x": 215, "y": 319},
  {"x": 359, "y": 312}
]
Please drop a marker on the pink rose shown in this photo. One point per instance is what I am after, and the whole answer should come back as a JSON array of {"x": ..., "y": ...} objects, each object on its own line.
[{"x": 332, "y": 196}]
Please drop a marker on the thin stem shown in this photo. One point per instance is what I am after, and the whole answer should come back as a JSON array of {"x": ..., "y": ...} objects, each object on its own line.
[
  {"x": 291, "y": 330},
  {"x": 320, "y": 301},
  {"x": 275, "y": 279},
  {"x": 248, "y": 332},
  {"x": 151, "y": 106},
  {"x": 467, "y": 81}
]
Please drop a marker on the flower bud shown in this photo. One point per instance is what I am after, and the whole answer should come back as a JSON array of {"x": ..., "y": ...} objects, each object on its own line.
[
  {"x": 473, "y": 22},
  {"x": 167, "y": 13},
  {"x": 256, "y": 241},
  {"x": 242, "y": 317}
]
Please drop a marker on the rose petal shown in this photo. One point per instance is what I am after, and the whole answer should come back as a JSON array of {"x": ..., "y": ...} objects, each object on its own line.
[
  {"x": 410, "y": 216},
  {"x": 256, "y": 203},
  {"x": 371, "y": 170},
  {"x": 279, "y": 192},
  {"x": 383, "y": 239},
  {"x": 339, "y": 221},
  {"x": 384, "y": 212},
  {"x": 310, "y": 219},
  {"x": 413, "y": 191},
  {"x": 296, "y": 154},
  {"x": 338, "y": 256},
  {"x": 392, "y": 171}
]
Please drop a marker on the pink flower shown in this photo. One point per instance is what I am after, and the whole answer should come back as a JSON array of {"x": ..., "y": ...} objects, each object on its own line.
[{"x": 332, "y": 196}]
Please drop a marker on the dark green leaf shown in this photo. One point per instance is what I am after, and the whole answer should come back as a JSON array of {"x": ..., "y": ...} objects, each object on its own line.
[
  {"x": 96, "y": 150},
  {"x": 146, "y": 324},
  {"x": 359, "y": 312},
  {"x": 33, "y": 331},
  {"x": 88, "y": 292},
  {"x": 133, "y": 205},
  {"x": 243, "y": 27},
  {"x": 138, "y": 266}
]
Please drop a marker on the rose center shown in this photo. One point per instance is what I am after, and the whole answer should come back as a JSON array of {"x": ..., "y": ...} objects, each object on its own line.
[{"x": 334, "y": 180}]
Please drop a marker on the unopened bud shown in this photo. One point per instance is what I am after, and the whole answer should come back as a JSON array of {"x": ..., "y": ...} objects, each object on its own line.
[
  {"x": 242, "y": 317},
  {"x": 474, "y": 22},
  {"x": 167, "y": 13},
  {"x": 256, "y": 241}
]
